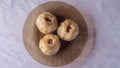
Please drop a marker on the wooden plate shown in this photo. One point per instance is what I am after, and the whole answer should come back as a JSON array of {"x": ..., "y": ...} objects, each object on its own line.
[{"x": 69, "y": 51}]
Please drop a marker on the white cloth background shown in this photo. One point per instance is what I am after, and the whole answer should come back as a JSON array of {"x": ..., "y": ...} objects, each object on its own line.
[{"x": 104, "y": 14}]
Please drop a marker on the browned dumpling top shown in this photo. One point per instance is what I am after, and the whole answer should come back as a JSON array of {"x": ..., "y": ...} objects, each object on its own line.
[
  {"x": 46, "y": 22},
  {"x": 68, "y": 30},
  {"x": 49, "y": 44}
]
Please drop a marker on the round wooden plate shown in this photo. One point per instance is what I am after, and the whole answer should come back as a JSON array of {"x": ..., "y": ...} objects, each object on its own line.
[{"x": 69, "y": 51}]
